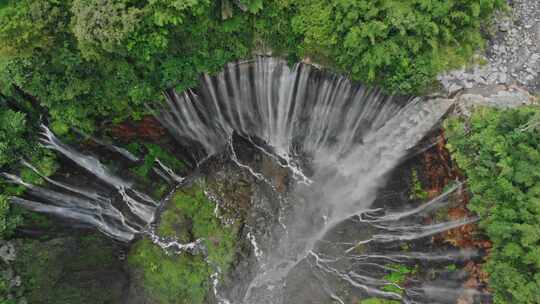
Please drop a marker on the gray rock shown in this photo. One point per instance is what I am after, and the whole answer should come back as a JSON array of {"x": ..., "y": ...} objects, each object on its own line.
[
  {"x": 513, "y": 53},
  {"x": 15, "y": 282},
  {"x": 7, "y": 252},
  {"x": 504, "y": 26},
  {"x": 453, "y": 88},
  {"x": 499, "y": 96}
]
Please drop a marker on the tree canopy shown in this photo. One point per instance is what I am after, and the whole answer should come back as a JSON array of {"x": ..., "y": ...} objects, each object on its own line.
[
  {"x": 101, "y": 60},
  {"x": 400, "y": 45},
  {"x": 501, "y": 158}
]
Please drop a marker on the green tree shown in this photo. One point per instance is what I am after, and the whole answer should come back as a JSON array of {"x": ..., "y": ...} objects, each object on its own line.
[
  {"x": 12, "y": 129},
  {"x": 253, "y": 6},
  {"x": 110, "y": 58},
  {"x": 27, "y": 25},
  {"x": 401, "y": 45},
  {"x": 502, "y": 163},
  {"x": 18, "y": 141},
  {"x": 102, "y": 25}
]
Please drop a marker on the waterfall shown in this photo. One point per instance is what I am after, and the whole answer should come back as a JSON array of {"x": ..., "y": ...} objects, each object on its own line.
[
  {"x": 352, "y": 136},
  {"x": 87, "y": 205},
  {"x": 340, "y": 140}
]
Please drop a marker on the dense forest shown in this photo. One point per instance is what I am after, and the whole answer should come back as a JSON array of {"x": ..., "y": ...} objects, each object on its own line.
[
  {"x": 499, "y": 151},
  {"x": 88, "y": 65}
]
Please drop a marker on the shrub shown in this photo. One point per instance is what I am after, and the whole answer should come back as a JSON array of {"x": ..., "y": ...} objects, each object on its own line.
[
  {"x": 153, "y": 152},
  {"x": 416, "y": 191},
  {"x": 398, "y": 276}
]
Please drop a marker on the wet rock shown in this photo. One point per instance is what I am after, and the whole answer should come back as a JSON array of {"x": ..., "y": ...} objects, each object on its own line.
[
  {"x": 7, "y": 252},
  {"x": 147, "y": 129}
]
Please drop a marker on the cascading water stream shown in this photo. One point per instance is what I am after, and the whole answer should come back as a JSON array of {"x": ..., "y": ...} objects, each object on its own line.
[
  {"x": 351, "y": 136},
  {"x": 339, "y": 140}
]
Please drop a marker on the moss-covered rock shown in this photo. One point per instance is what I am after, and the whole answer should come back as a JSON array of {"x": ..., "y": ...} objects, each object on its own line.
[
  {"x": 184, "y": 278},
  {"x": 167, "y": 279}
]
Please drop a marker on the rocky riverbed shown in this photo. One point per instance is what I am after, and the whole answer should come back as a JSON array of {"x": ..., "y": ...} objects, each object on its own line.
[{"x": 512, "y": 55}]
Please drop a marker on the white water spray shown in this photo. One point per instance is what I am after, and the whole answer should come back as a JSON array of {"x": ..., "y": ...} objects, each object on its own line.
[{"x": 352, "y": 136}]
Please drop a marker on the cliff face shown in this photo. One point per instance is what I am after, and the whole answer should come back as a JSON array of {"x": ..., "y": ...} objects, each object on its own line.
[{"x": 82, "y": 268}]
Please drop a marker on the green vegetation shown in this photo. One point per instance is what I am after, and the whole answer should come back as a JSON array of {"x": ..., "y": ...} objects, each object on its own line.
[
  {"x": 405, "y": 247},
  {"x": 185, "y": 278},
  {"x": 451, "y": 267},
  {"x": 90, "y": 60},
  {"x": 17, "y": 142},
  {"x": 8, "y": 221},
  {"x": 11, "y": 216},
  {"x": 153, "y": 152},
  {"x": 69, "y": 270},
  {"x": 417, "y": 191},
  {"x": 401, "y": 45},
  {"x": 179, "y": 279},
  {"x": 192, "y": 204},
  {"x": 398, "y": 276},
  {"x": 12, "y": 126},
  {"x": 501, "y": 158}
]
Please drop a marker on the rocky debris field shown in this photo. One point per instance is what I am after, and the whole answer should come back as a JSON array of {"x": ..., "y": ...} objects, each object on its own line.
[{"x": 512, "y": 55}]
